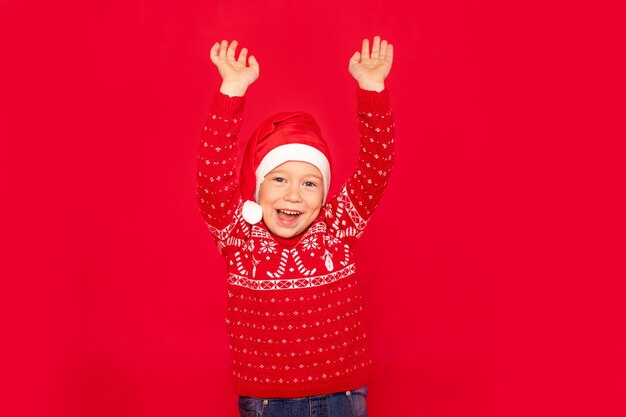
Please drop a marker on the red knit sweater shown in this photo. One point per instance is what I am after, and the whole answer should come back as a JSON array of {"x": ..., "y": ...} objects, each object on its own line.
[{"x": 294, "y": 314}]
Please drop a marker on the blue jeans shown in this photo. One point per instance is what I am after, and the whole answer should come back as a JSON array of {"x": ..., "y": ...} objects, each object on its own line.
[{"x": 341, "y": 404}]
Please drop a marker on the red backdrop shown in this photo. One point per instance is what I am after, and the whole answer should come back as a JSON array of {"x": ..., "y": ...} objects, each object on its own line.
[{"x": 495, "y": 263}]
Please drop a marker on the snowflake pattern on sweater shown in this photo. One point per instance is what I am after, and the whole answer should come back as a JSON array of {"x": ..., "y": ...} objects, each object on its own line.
[{"x": 294, "y": 316}]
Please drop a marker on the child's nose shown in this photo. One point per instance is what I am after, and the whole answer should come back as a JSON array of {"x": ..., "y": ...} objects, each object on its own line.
[{"x": 293, "y": 194}]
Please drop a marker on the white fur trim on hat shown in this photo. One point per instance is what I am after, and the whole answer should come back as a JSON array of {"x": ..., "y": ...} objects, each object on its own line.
[
  {"x": 293, "y": 152},
  {"x": 252, "y": 212}
]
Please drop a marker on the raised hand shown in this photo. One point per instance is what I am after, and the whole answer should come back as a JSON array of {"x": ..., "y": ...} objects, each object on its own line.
[
  {"x": 236, "y": 76},
  {"x": 371, "y": 69}
]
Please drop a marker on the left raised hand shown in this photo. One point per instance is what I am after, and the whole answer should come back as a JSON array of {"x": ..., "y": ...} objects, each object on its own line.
[{"x": 371, "y": 69}]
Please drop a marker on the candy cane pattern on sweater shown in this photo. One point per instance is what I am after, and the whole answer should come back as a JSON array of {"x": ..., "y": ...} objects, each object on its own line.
[
  {"x": 296, "y": 257},
  {"x": 284, "y": 257}
]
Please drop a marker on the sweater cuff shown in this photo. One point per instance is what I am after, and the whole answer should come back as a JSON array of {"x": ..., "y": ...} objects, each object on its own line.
[
  {"x": 372, "y": 101},
  {"x": 226, "y": 106}
]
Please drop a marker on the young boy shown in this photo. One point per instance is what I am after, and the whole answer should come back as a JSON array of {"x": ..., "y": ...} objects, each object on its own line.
[{"x": 294, "y": 314}]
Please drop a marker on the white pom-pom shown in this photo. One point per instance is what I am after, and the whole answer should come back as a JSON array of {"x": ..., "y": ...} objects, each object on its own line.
[{"x": 252, "y": 212}]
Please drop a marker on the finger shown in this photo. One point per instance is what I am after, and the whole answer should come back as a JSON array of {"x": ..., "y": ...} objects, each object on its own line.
[
  {"x": 230, "y": 53},
  {"x": 213, "y": 54},
  {"x": 383, "y": 49},
  {"x": 354, "y": 59},
  {"x": 389, "y": 54},
  {"x": 376, "y": 47},
  {"x": 242, "y": 56},
  {"x": 253, "y": 63},
  {"x": 365, "y": 49},
  {"x": 222, "y": 51}
]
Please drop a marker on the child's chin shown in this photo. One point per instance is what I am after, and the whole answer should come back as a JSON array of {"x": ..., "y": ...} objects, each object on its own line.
[{"x": 287, "y": 233}]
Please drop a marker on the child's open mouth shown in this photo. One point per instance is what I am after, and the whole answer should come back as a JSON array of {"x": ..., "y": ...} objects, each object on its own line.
[{"x": 287, "y": 216}]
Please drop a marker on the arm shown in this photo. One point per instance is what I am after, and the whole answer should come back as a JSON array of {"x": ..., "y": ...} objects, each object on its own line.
[
  {"x": 376, "y": 152},
  {"x": 376, "y": 126},
  {"x": 217, "y": 186}
]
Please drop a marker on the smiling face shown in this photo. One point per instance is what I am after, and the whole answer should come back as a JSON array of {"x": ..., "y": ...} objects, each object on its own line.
[{"x": 291, "y": 198}]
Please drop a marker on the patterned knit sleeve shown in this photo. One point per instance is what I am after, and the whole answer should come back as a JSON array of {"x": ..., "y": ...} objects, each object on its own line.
[
  {"x": 217, "y": 187},
  {"x": 355, "y": 203}
]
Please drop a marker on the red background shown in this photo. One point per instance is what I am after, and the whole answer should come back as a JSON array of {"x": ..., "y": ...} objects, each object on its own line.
[{"x": 495, "y": 263}]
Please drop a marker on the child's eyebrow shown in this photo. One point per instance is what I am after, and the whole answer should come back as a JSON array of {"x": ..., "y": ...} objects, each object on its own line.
[
  {"x": 314, "y": 176},
  {"x": 283, "y": 172}
]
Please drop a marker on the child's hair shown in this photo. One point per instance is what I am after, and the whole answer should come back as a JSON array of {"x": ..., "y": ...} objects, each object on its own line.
[{"x": 285, "y": 136}]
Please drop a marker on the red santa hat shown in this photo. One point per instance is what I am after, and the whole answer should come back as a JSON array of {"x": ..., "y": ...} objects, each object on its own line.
[{"x": 285, "y": 136}]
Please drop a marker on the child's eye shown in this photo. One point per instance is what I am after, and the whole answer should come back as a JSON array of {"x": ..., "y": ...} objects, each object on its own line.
[
  {"x": 279, "y": 179},
  {"x": 310, "y": 184}
]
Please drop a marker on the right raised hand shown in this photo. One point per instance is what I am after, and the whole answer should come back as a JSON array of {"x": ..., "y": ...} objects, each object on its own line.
[
  {"x": 236, "y": 76},
  {"x": 370, "y": 70}
]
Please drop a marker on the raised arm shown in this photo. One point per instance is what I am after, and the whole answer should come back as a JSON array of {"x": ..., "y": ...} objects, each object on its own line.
[
  {"x": 376, "y": 127},
  {"x": 217, "y": 186}
]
